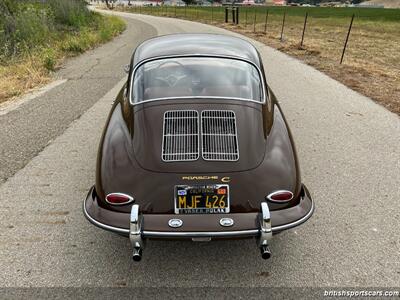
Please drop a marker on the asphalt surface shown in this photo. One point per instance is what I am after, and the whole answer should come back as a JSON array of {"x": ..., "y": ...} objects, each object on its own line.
[{"x": 348, "y": 148}]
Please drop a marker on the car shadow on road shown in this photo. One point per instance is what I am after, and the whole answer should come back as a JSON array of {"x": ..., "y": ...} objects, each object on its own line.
[{"x": 187, "y": 263}]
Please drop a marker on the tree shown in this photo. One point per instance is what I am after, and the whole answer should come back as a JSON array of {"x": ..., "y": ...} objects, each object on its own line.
[
  {"x": 189, "y": 2},
  {"x": 108, "y": 4}
]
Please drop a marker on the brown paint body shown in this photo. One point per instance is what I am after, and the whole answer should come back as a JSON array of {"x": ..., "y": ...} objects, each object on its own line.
[{"x": 129, "y": 157}]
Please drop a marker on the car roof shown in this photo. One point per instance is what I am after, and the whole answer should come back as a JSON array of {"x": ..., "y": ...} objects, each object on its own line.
[{"x": 191, "y": 44}]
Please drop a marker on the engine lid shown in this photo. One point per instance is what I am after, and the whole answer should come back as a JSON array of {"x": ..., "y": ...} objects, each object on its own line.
[{"x": 198, "y": 137}]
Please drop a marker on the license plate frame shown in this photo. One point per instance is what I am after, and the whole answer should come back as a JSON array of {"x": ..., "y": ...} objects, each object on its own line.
[{"x": 202, "y": 209}]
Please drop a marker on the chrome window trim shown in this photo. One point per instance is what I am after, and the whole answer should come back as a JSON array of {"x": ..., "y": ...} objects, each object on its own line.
[
  {"x": 236, "y": 135},
  {"x": 198, "y": 136},
  {"x": 147, "y": 233},
  {"x": 138, "y": 65}
]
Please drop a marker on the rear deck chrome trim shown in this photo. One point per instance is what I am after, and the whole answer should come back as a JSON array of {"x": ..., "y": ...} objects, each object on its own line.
[{"x": 162, "y": 234}]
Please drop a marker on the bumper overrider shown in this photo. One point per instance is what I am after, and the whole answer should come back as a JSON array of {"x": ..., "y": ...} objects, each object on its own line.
[{"x": 140, "y": 226}]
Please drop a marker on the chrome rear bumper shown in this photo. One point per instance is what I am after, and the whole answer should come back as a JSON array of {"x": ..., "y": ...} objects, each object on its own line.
[
  {"x": 138, "y": 233},
  {"x": 295, "y": 216}
]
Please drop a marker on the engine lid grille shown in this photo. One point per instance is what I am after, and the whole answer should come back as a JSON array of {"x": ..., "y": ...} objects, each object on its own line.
[
  {"x": 219, "y": 135},
  {"x": 180, "y": 135}
]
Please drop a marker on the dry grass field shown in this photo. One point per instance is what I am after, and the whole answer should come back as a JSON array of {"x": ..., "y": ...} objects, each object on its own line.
[{"x": 371, "y": 63}]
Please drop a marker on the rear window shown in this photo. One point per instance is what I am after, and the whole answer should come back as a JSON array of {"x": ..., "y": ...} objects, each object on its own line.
[{"x": 204, "y": 77}]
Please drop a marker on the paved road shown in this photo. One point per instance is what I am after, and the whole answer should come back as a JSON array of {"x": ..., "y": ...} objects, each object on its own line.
[{"x": 348, "y": 148}]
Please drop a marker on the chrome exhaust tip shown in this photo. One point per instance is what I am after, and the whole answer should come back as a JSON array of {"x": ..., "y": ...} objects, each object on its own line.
[
  {"x": 265, "y": 231},
  {"x": 135, "y": 233},
  {"x": 265, "y": 252},
  {"x": 137, "y": 254}
]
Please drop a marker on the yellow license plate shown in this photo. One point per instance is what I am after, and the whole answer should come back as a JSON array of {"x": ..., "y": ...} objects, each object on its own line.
[{"x": 202, "y": 199}]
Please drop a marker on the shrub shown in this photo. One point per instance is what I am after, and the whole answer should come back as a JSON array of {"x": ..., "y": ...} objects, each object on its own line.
[
  {"x": 49, "y": 59},
  {"x": 9, "y": 7},
  {"x": 32, "y": 27},
  {"x": 22, "y": 26},
  {"x": 110, "y": 27},
  {"x": 71, "y": 12},
  {"x": 73, "y": 44},
  {"x": 30, "y": 24}
]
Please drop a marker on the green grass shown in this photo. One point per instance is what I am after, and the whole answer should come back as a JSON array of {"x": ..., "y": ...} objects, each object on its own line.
[
  {"x": 31, "y": 26},
  {"x": 35, "y": 36},
  {"x": 103, "y": 29},
  {"x": 218, "y": 14}
]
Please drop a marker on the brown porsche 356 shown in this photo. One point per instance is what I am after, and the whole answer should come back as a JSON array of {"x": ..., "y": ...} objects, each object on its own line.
[{"x": 196, "y": 147}]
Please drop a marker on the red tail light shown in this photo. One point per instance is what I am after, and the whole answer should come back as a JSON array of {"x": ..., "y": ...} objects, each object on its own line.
[
  {"x": 118, "y": 199},
  {"x": 280, "y": 196}
]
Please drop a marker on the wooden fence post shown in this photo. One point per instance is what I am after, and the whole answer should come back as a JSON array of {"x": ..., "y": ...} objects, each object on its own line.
[
  {"x": 266, "y": 21},
  {"x": 255, "y": 20},
  {"x": 283, "y": 25},
  {"x": 304, "y": 29},
  {"x": 347, "y": 39}
]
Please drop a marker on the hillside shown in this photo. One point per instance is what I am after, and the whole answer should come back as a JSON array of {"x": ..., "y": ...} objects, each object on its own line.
[{"x": 386, "y": 3}]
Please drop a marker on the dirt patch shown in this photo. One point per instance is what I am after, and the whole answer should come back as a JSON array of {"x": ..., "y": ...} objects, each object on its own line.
[
  {"x": 57, "y": 213},
  {"x": 57, "y": 222}
]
